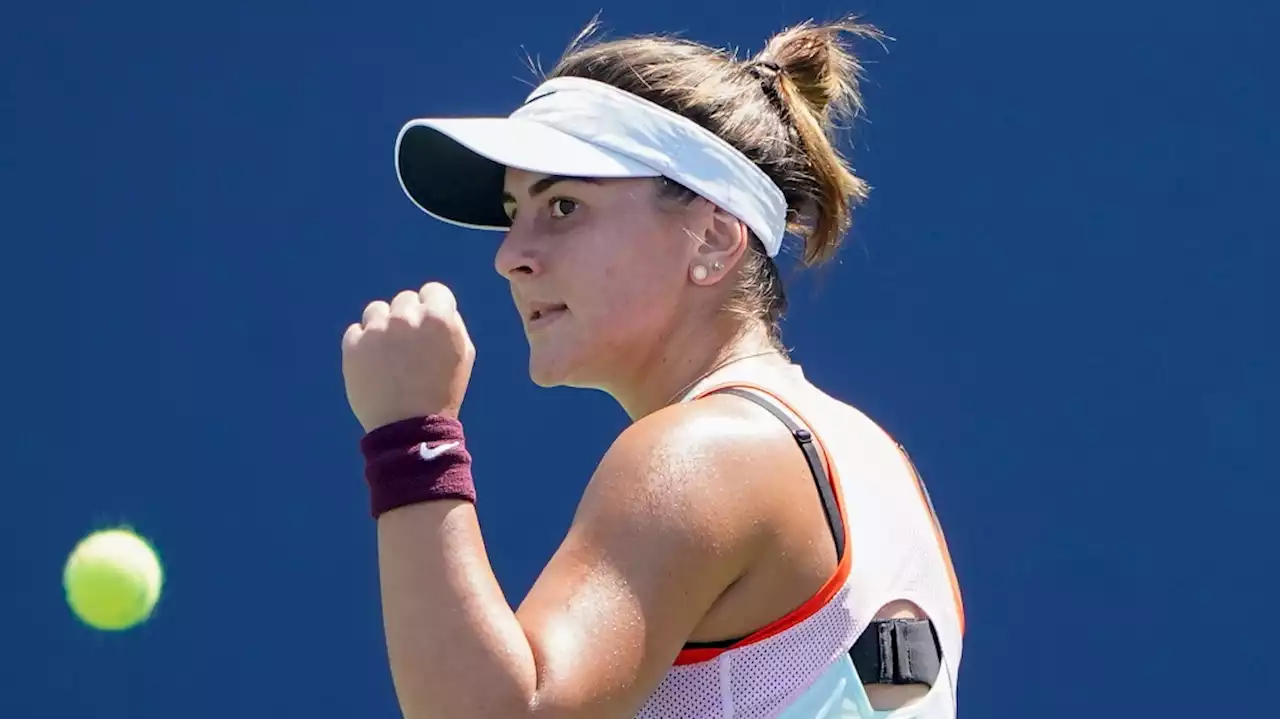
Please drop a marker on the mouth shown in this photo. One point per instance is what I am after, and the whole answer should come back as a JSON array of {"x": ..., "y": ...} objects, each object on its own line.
[{"x": 542, "y": 314}]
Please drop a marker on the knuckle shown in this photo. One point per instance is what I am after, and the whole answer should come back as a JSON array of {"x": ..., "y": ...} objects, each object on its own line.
[
  {"x": 406, "y": 308},
  {"x": 403, "y": 314},
  {"x": 434, "y": 288},
  {"x": 351, "y": 337},
  {"x": 437, "y": 294},
  {"x": 374, "y": 310}
]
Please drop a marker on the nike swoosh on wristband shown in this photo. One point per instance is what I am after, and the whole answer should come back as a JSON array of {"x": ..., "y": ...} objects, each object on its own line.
[{"x": 430, "y": 453}]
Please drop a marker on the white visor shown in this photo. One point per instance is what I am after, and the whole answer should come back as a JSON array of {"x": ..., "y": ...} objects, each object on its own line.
[{"x": 454, "y": 169}]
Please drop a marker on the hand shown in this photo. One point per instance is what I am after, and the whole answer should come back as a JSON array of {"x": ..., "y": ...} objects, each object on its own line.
[{"x": 409, "y": 358}]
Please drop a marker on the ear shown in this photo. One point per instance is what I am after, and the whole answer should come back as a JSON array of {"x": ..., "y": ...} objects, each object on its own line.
[{"x": 722, "y": 243}]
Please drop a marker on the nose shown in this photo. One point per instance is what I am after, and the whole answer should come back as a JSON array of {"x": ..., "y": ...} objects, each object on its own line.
[{"x": 516, "y": 256}]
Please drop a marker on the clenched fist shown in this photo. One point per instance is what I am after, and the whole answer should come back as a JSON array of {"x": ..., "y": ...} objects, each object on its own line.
[{"x": 409, "y": 358}]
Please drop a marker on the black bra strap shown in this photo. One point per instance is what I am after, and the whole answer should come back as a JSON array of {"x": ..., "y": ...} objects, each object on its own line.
[{"x": 804, "y": 438}]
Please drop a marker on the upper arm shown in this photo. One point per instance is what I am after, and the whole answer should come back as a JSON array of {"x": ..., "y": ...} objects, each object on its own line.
[{"x": 658, "y": 536}]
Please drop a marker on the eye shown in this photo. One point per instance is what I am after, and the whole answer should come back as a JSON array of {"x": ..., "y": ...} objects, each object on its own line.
[
  {"x": 510, "y": 209},
  {"x": 563, "y": 207}
]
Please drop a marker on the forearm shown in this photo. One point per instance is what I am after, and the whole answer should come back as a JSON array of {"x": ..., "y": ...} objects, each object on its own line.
[{"x": 455, "y": 646}]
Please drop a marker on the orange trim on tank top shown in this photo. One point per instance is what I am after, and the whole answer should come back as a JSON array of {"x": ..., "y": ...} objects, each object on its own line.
[
  {"x": 832, "y": 585},
  {"x": 937, "y": 533}
]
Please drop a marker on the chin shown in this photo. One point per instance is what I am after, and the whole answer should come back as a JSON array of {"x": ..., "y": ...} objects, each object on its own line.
[
  {"x": 548, "y": 368},
  {"x": 554, "y": 366},
  {"x": 542, "y": 378}
]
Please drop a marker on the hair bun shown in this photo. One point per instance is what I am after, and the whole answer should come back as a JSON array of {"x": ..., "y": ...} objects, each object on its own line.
[{"x": 819, "y": 63}]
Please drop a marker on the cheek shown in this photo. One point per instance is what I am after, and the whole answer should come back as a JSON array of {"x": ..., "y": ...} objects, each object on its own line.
[
  {"x": 631, "y": 301},
  {"x": 622, "y": 288}
]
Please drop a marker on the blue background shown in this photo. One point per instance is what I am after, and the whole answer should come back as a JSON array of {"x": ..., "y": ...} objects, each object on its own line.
[{"x": 1058, "y": 298}]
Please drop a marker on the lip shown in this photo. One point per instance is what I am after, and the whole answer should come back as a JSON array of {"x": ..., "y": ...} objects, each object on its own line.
[{"x": 543, "y": 313}]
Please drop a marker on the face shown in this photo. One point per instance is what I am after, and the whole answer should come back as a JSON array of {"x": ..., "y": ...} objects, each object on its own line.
[{"x": 596, "y": 271}]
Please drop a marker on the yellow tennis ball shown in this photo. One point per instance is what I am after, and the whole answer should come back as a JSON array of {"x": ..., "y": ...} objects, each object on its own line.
[{"x": 112, "y": 579}]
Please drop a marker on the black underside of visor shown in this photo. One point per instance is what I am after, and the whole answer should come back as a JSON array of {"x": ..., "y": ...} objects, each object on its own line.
[{"x": 451, "y": 181}]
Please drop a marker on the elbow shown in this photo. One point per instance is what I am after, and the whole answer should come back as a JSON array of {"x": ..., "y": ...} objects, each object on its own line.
[{"x": 458, "y": 684}]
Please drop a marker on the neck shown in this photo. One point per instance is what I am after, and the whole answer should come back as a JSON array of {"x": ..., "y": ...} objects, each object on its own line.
[{"x": 688, "y": 356}]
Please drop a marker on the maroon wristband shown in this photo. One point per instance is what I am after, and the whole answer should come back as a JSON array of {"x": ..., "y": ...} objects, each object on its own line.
[{"x": 416, "y": 460}]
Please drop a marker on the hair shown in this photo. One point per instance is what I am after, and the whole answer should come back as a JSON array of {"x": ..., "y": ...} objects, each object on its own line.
[{"x": 781, "y": 109}]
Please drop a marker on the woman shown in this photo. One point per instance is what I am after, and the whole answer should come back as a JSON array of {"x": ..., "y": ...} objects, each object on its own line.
[{"x": 749, "y": 546}]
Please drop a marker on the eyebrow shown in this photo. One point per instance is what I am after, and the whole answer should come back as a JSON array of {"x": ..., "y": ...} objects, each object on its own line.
[{"x": 547, "y": 183}]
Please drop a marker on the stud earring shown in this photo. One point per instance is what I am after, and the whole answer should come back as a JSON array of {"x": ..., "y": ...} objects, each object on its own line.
[
  {"x": 716, "y": 267},
  {"x": 699, "y": 273}
]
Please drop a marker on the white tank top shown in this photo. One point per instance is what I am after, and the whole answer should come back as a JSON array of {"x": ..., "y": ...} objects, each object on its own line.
[{"x": 799, "y": 667}]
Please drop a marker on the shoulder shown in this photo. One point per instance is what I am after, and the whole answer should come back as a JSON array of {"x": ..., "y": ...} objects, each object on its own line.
[
  {"x": 671, "y": 519},
  {"x": 697, "y": 469},
  {"x": 717, "y": 426}
]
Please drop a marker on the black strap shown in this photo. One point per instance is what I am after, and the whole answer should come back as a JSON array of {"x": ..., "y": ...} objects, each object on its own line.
[
  {"x": 804, "y": 438},
  {"x": 898, "y": 651},
  {"x": 889, "y": 651}
]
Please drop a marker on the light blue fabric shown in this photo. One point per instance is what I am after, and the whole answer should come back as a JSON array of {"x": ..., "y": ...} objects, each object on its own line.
[{"x": 839, "y": 694}]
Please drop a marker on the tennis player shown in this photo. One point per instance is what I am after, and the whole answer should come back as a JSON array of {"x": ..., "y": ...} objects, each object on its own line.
[{"x": 749, "y": 547}]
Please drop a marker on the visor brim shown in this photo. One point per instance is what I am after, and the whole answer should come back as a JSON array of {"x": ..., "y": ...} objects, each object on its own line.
[{"x": 454, "y": 169}]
